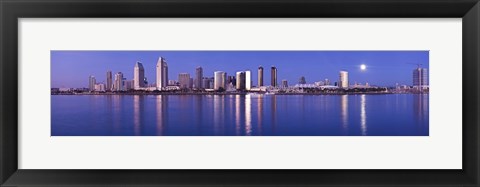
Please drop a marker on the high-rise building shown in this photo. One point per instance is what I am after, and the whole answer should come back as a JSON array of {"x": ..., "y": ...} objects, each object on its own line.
[
  {"x": 260, "y": 76},
  {"x": 240, "y": 80},
  {"x": 284, "y": 83},
  {"x": 248, "y": 80},
  {"x": 184, "y": 80},
  {"x": 206, "y": 82},
  {"x": 91, "y": 83},
  {"x": 198, "y": 77},
  {"x": 138, "y": 76},
  {"x": 220, "y": 80},
  {"x": 274, "y": 77},
  {"x": 162, "y": 73},
  {"x": 109, "y": 85},
  {"x": 343, "y": 81},
  {"x": 302, "y": 80},
  {"x": 327, "y": 82},
  {"x": 118, "y": 82},
  {"x": 420, "y": 77}
]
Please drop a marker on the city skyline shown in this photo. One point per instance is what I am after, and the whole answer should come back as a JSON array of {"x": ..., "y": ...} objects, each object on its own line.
[{"x": 382, "y": 68}]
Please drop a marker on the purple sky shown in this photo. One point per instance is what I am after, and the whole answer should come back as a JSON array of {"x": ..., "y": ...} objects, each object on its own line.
[{"x": 384, "y": 68}]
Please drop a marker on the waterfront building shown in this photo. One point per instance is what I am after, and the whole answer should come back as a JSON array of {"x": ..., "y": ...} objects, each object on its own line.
[
  {"x": 248, "y": 80},
  {"x": 65, "y": 89},
  {"x": 231, "y": 80},
  {"x": 172, "y": 82},
  {"x": 162, "y": 73},
  {"x": 118, "y": 86},
  {"x": 327, "y": 82},
  {"x": 343, "y": 81},
  {"x": 100, "y": 87},
  {"x": 302, "y": 80},
  {"x": 212, "y": 83},
  {"x": 109, "y": 85},
  {"x": 220, "y": 80},
  {"x": 319, "y": 83},
  {"x": 184, "y": 80},
  {"x": 420, "y": 78},
  {"x": 260, "y": 76},
  {"x": 206, "y": 82},
  {"x": 138, "y": 76},
  {"x": 274, "y": 76},
  {"x": 284, "y": 83},
  {"x": 128, "y": 84},
  {"x": 91, "y": 83},
  {"x": 240, "y": 80},
  {"x": 198, "y": 77}
]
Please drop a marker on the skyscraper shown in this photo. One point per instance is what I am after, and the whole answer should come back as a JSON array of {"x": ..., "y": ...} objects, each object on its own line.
[
  {"x": 138, "y": 76},
  {"x": 343, "y": 81},
  {"x": 198, "y": 77},
  {"x": 162, "y": 73},
  {"x": 240, "y": 80},
  {"x": 119, "y": 81},
  {"x": 91, "y": 83},
  {"x": 248, "y": 80},
  {"x": 260, "y": 76},
  {"x": 302, "y": 80},
  {"x": 420, "y": 77},
  {"x": 184, "y": 80},
  {"x": 109, "y": 85},
  {"x": 220, "y": 79},
  {"x": 274, "y": 76}
]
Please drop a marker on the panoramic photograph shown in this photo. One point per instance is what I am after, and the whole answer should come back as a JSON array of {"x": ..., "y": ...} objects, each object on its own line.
[{"x": 239, "y": 93}]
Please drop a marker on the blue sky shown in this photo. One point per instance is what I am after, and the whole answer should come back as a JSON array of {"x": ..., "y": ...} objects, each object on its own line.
[{"x": 384, "y": 68}]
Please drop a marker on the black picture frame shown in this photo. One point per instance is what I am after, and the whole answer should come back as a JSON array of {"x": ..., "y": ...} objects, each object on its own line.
[{"x": 12, "y": 10}]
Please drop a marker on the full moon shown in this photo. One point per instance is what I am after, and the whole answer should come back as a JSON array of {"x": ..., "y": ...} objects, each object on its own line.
[{"x": 363, "y": 67}]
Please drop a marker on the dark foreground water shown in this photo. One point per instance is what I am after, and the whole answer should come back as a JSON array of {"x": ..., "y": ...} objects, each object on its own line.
[{"x": 244, "y": 115}]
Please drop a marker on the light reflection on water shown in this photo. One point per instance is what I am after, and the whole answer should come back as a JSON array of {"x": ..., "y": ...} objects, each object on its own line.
[
  {"x": 363, "y": 114},
  {"x": 243, "y": 115}
]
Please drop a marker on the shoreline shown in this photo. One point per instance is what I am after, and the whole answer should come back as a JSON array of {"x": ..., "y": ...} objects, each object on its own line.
[{"x": 245, "y": 93}]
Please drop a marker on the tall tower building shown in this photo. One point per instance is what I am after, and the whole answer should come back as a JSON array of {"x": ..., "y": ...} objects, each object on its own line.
[
  {"x": 240, "y": 80},
  {"x": 420, "y": 77},
  {"x": 119, "y": 82},
  {"x": 248, "y": 80},
  {"x": 109, "y": 85},
  {"x": 184, "y": 80},
  {"x": 91, "y": 83},
  {"x": 274, "y": 76},
  {"x": 198, "y": 77},
  {"x": 138, "y": 76},
  {"x": 260, "y": 76},
  {"x": 343, "y": 81},
  {"x": 162, "y": 73},
  {"x": 220, "y": 80}
]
